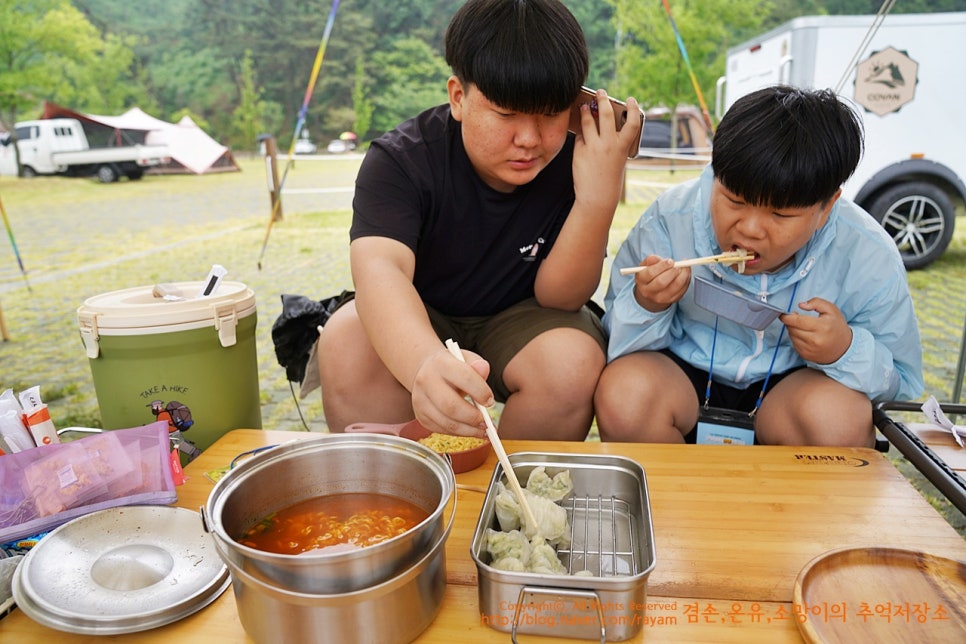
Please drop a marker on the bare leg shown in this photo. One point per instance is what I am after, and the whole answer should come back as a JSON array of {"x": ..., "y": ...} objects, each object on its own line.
[
  {"x": 551, "y": 382},
  {"x": 809, "y": 408},
  {"x": 356, "y": 386},
  {"x": 645, "y": 397}
]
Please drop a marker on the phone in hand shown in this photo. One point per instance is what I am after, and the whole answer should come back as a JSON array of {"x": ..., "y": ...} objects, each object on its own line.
[{"x": 589, "y": 96}]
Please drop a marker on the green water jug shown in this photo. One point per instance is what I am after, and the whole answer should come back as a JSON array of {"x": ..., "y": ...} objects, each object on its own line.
[{"x": 168, "y": 352}]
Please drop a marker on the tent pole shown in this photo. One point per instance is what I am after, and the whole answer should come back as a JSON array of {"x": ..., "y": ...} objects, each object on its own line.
[
  {"x": 275, "y": 188},
  {"x": 3, "y": 327},
  {"x": 316, "y": 67}
]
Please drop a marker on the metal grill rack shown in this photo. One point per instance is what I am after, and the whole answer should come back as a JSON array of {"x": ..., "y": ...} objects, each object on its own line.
[{"x": 602, "y": 537}]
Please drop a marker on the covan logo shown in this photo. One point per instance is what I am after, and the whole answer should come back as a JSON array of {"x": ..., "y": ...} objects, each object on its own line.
[
  {"x": 886, "y": 81},
  {"x": 831, "y": 459}
]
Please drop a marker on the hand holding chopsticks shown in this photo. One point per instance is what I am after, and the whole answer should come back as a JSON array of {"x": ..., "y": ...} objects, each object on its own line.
[
  {"x": 730, "y": 257},
  {"x": 498, "y": 448}
]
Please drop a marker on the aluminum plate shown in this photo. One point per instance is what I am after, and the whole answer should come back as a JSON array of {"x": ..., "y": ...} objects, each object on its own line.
[{"x": 121, "y": 570}]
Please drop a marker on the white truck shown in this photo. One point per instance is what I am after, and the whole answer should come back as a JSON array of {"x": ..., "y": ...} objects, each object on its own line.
[
  {"x": 60, "y": 146},
  {"x": 908, "y": 85}
]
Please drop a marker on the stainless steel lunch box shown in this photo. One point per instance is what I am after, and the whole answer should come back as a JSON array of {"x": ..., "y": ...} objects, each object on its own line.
[{"x": 612, "y": 537}]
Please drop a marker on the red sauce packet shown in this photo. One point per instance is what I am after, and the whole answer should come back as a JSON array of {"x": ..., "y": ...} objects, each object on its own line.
[{"x": 176, "y": 471}]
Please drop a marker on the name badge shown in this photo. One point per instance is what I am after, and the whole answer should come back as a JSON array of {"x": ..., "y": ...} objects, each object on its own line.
[
  {"x": 724, "y": 427},
  {"x": 709, "y": 434}
]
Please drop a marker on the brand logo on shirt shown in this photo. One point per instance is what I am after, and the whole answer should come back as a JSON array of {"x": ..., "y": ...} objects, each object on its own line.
[{"x": 529, "y": 252}]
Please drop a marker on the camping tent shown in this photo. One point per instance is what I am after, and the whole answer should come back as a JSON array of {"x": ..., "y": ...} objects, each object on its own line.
[{"x": 191, "y": 149}]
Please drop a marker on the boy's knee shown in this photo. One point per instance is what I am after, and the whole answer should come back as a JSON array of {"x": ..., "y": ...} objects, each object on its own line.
[
  {"x": 829, "y": 415},
  {"x": 620, "y": 409},
  {"x": 570, "y": 367}
]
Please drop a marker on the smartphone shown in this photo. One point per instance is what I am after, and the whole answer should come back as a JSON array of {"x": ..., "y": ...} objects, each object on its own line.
[{"x": 589, "y": 96}]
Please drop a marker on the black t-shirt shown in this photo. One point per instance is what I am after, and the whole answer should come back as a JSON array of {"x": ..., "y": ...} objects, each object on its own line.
[{"x": 477, "y": 250}]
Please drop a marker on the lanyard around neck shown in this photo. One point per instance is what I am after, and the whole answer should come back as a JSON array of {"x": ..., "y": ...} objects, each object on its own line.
[{"x": 771, "y": 366}]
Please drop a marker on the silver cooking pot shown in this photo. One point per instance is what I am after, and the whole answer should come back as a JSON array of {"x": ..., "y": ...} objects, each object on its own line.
[
  {"x": 330, "y": 464},
  {"x": 395, "y": 611}
]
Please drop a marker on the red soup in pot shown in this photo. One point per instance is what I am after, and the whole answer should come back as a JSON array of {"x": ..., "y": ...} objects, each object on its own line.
[{"x": 333, "y": 522}]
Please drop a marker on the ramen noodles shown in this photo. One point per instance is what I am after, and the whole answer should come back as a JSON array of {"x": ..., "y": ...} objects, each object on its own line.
[
  {"x": 447, "y": 443},
  {"x": 347, "y": 521}
]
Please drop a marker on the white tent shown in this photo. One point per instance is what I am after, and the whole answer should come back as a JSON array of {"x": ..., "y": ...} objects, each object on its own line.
[{"x": 191, "y": 149}]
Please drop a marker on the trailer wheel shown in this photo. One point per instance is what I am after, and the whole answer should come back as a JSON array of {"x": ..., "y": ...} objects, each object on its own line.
[
  {"x": 135, "y": 175},
  {"x": 107, "y": 173},
  {"x": 919, "y": 217},
  {"x": 27, "y": 172}
]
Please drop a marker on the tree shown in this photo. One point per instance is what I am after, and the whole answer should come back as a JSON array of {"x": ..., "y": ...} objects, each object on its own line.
[
  {"x": 405, "y": 80},
  {"x": 650, "y": 65},
  {"x": 361, "y": 102},
  {"x": 249, "y": 117},
  {"x": 48, "y": 50},
  {"x": 781, "y": 11},
  {"x": 100, "y": 83},
  {"x": 188, "y": 53},
  {"x": 198, "y": 79},
  {"x": 423, "y": 19},
  {"x": 597, "y": 21}
]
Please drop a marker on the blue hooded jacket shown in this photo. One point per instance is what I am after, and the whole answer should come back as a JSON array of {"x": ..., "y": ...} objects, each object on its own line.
[{"x": 850, "y": 262}]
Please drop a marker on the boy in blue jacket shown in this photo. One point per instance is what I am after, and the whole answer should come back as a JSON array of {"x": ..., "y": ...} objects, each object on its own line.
[{"x": 849, "y": 334}]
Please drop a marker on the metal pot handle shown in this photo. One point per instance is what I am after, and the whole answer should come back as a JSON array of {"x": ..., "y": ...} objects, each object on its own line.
[
  {"x": 389, "y": 429},
  {"x": 554, "y": 597}
]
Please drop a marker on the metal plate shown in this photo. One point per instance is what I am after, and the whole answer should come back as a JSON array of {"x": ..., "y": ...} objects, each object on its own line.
[{"x": 121, "y": 570}]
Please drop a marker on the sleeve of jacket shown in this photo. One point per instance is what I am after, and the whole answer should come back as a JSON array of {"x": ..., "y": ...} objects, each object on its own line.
[
  {"x": 885, "y": 357},
  {"x": 630, "y": 326}
]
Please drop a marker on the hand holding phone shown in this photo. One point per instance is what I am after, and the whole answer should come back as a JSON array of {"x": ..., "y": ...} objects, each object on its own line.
[{"x": 589, "y": 96}]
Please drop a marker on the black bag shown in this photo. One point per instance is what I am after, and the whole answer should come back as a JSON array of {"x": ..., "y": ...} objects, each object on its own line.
[{"x": 296, "y": 329}]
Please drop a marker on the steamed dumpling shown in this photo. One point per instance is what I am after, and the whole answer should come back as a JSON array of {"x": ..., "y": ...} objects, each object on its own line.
[
  {"x": 543, "y": 559},
  {"x": 507, "y": 545},
  {"x": 556, "y": 489},
  {"x": 551, "y": 519},
  {"x": 520, "y": 547}
]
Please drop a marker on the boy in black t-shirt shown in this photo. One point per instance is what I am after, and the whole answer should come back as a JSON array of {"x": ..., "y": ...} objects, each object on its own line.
[{"x": 483, "y": 221}]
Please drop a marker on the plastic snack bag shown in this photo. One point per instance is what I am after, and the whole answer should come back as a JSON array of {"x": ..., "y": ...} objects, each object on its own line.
[{"x": 43, "y": 488}]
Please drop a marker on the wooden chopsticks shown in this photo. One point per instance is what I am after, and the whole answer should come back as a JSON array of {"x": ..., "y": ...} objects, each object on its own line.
[
  {"x": 498, "y": 448},
  {"x": 730, "y": 257}
]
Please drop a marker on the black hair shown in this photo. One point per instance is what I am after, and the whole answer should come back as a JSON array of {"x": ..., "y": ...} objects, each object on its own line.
[
  {"x": 786, "y": 147},
  {"x": 527, "y": 56}
]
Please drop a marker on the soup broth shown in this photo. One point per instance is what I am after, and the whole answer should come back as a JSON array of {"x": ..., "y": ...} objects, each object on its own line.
[{"x": 343, "y": 521}]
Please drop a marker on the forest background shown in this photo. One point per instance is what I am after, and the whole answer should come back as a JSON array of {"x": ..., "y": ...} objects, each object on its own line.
[{"x": 240, "y": 68}]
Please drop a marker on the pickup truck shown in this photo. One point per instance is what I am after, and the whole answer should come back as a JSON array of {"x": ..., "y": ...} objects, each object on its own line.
[{"x": 61, "y": 147}]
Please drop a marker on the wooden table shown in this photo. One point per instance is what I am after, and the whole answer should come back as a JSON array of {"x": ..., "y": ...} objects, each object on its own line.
[
  {"x": 931, "y": 450},
  {"x": 733, "y": 526}
]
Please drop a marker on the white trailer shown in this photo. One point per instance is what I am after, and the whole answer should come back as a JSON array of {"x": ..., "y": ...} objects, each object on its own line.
[
  {"x": 909, "y": 85},
  {"x": 60, "y": 147}
]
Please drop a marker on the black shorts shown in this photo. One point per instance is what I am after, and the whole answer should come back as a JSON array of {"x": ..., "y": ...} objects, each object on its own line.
[
  {"x": 722, "y": 395},
  {"x": 497, "y": 338}
]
